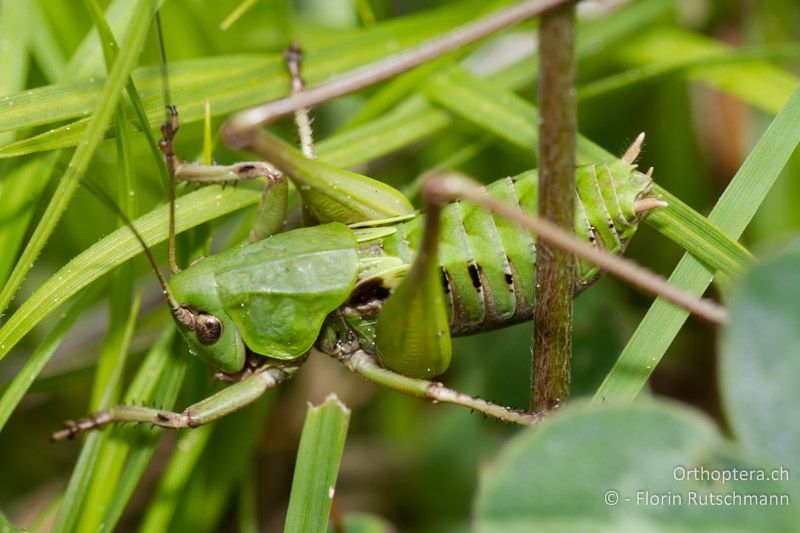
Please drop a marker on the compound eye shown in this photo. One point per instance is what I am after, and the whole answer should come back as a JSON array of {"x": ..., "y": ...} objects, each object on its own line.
[{"x": 208, "y": 328}]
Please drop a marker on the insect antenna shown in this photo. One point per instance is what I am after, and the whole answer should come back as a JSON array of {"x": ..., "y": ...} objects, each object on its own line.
[
  {"x": 167, "y": 143},
  {"x": 176, "y": 309}
]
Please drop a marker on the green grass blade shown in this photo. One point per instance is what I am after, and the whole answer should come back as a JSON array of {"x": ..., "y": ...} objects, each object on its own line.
[
  {"x": 236, "y": 14},
  {"x": 685, "y": 66},
  {"x": 757, "y": 82},
  {"x": 235, "y": 82},
  {"x": 43, "y": 45},
  {"x": 110, "y": 52},
  {"x": 102, "y": 458},
  {"x": 692, "y": 232},
  {"x": 71, "y": 504},
  {"x": 416, "y": 118},
  {"x": 230, "y": 83},
  {"x": 191, "y": 445},
  {"x": 732, "y": 213},
  {"x": 6, "y": 526},
  {"x": 226, "y": 461},
  {"x": 22, "y": 185},
  {"x": 87, "y": 60},
  {"x": 13, "y": 49},
  {"x": 191, "y": 210},
  {"x": 83, "y": 153},
  {"x": 136, "y": 445},
  {"x": 409, "y": 122},
  {"x": 123, "y": 313},
  {"x": 317, "y": 467},
  {"x": 114, "y": 354},
  {"x": 13, "y": 45},
  {"x": 19, "y": 186},
  {"x": 26, "y": 376},
  {"x": 46, "y": 515},
  {"x": 247, "y": 510},
  {"x": 394, "y": 92}
]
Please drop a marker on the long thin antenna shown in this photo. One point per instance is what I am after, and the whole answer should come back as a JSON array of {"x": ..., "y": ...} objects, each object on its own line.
[
  {"x": 167, "y": 143},
  {"x": 103, "y": 196},
  {"x": 164, "y": 68}
]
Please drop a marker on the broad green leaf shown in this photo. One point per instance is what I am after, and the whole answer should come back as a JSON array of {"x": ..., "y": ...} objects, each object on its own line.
[
  {"x": 760, "y": 359},
  {"x": 601, "y": 469}
]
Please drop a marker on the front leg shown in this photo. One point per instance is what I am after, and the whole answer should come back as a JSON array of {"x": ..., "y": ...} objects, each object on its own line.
[{"x": 223, "y": 403}]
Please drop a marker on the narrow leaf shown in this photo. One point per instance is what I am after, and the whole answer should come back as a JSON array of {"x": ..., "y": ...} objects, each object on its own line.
[
  {"x": 317, "y": 467},
  {"x": 191, "y": 210},
  {"x": 83, "y": 153},
  {"x": 731, "y": 214}
]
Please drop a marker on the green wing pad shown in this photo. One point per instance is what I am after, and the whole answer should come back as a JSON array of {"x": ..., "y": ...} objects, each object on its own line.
[{"x": 280, "y": 297}]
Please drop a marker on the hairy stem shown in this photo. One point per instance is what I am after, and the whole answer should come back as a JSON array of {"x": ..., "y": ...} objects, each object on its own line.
[{"x": 555, "y": 267}]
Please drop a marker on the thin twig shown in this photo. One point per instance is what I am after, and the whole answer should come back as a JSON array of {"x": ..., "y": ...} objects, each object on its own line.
[
  {"x": 236, "y": 132},
  {"x": 451, "y": 184}
]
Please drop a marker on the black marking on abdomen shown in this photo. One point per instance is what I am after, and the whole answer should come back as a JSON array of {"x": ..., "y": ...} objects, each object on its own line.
[
  {"x": 475, "y": 275},
  {"x": 445, "y": 282}
]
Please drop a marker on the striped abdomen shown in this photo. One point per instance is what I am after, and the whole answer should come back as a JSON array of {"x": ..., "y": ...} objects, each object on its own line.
[{"x": 488, "y": 262}]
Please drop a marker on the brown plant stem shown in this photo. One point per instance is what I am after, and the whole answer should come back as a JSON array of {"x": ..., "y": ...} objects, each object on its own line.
[{"x": 555, "y": 268}]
